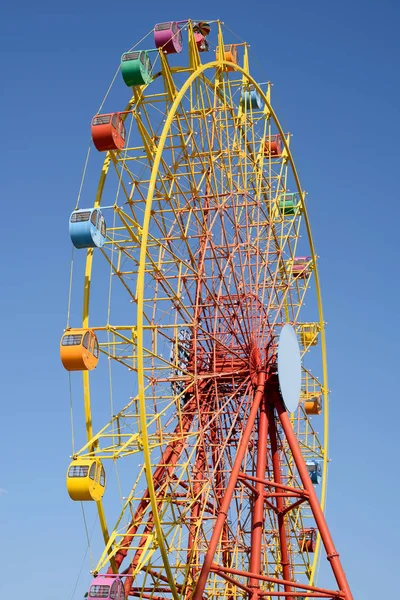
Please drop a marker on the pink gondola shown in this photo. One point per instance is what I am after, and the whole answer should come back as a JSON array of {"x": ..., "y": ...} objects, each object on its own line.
[
  {"x": 168, "y": 37},
  {"x": 107, "y": 587},
  {"x": 301, "y": 267}
]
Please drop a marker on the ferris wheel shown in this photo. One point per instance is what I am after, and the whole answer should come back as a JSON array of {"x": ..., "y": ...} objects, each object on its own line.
[{"x": 202, "y": 318}]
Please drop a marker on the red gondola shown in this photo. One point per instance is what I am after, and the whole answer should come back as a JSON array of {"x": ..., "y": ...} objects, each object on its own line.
[
  {"x": 108, "y": 132},
  {"x": 273, "y": 146},
  {"x": 308, "y": 540}
]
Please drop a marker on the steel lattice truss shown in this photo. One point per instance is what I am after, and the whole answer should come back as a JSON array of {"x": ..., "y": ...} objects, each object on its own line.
[{"x": 200, "y": 245}]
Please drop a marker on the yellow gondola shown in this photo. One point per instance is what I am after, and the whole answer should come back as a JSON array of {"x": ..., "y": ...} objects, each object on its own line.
[
  {"x": 86, "y": 479},
  {"x": 309, "y": 334}
]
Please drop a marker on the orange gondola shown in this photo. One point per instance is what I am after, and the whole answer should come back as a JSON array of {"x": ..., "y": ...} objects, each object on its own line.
[
  {"x": 313, "y": 406},
  {"x": 230, "y": 54},
  {"x": 79, "y": 350}
]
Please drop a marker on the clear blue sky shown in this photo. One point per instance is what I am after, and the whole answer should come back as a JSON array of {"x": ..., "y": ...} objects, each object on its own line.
[{"x": 335, "y": 69}]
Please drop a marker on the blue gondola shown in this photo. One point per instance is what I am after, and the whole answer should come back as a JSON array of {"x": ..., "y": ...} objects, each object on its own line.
[
  {"x": 314, "y": 471},
  {"x": 251, "y": 98},
  {"x": 87, "y": 228}
]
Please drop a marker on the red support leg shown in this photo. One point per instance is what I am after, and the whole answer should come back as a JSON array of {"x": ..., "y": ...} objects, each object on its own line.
[
  {"x": 287, "y": 575},
  {"x": 258, "y": 505},
  {"x": 319, "y": 517},
  {"x": 219, "y": 489}
]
